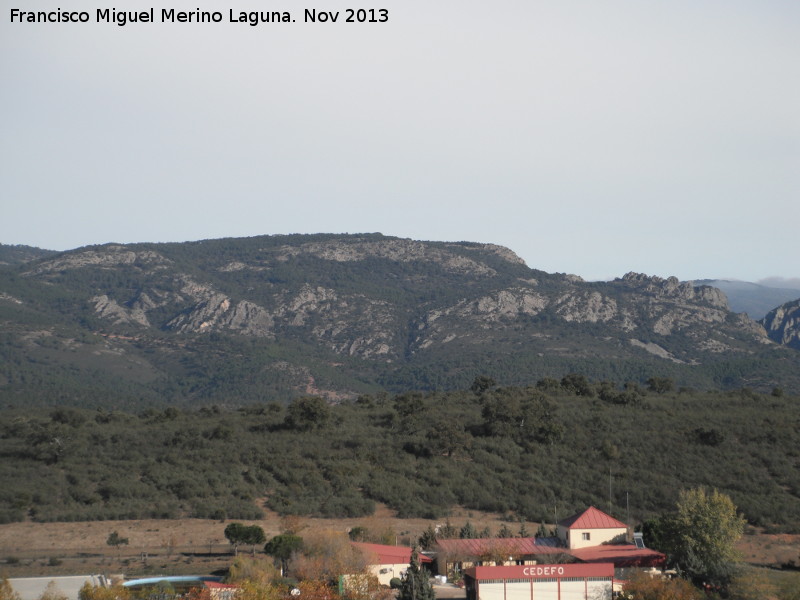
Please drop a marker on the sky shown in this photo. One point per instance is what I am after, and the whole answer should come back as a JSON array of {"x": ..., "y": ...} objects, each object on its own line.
[{"x": 592, "y": 138}]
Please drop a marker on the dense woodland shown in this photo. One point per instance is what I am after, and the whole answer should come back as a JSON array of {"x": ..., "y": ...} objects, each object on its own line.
[{"x": 540, "y": 452}]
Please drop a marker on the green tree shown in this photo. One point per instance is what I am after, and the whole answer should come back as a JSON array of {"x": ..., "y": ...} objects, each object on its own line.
[
  {"x": 235, "y": 534},
  {"x": 446, "y": 437},
  {"x": 543, "y": 532},
  {"x": 254, "y": 536},
  {"x": 577, "y": 384},
  {"x": 307, "y": 413},
  {"x": 115, "y": 540},
  {"x": 282, "y": 548},
  {"x": 428, "y": 538},
  {"x": 358, "y": 534},
  {"x": 660, "y": 385},
  {"x": 523, "y": 530},
  {"x": 482, "y": 383},
  {"x": 505, "y": 532},
  {"x": 701, "y": 536},
  {"x": 448, "y": 531},
  {"x": 416, "y": 583},
  {"x": 468, "y": 531}
]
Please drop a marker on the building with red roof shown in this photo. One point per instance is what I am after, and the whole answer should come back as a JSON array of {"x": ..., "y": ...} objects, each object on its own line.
[
  {"x": 386, "y": 562},
  {"x": 455, "y": 555},
  {"x": 623, "y": 556},
  {"x": 590, "y": 536},
  {"x": 591, "y": 527}
]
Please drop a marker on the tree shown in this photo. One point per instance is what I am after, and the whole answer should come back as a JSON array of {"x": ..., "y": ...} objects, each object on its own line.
[
  {"x": 415, "y": 584},
  {"x": 468, "y": 532},
  {"x": 428, "y": 538},
  {"x": 282, "y": 548},
  {"x": 326, "y": 555},
  {"x": 365, "y": 586},
  {"x": 482, "y": 383},
  {"x": 700, "y": 538},
  {"x": 52, "y": 592},
  {"x": 358, "y": 534},
  {"x": 660, "y": 385},
  {"x": 236, "y": 534},
  {"x": 6, "y": 591},
  {"x": 505, "y": 532},
  {"x": 542, "y": 531},
  {"x": 447, "y": 531},
  {"x": 92, "y": 592},
  {"x": 115, "y": 540},
  {"x": 641, "y": 586},
  {"x": 577, "y": 384},
  {"x": 254, "y": 536},
  {"x": 257, "y": 570},
  {"x": 446, "y": 436},
  {"x": 251, "y": 589},
  {"x": 307, "y": 413},
  {"x": 523, "y": 530}
]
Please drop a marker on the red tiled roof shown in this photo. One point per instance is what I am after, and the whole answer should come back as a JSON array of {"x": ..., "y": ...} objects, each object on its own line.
[
  {"x": 510, "y": 546},
  {"x": 215, "y": 585},
  {"x": 389, "y": 555},
  {"x": 623, "y": 555},
  {"x": 592, "y": 518}
]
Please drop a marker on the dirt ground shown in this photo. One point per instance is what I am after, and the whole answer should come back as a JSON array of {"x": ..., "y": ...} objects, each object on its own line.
[
  {"x": 178, "y": 546},
  {"x": 199, "y": 546}
]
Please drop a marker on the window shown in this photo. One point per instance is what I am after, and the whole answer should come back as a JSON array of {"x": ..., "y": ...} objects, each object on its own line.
[{"x": 585, "y": 536}]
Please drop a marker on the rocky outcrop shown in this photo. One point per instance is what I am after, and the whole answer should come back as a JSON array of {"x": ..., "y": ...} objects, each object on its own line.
[
  {"x": 783, "y": 324},
  {"x": 586, "y": 307},
  {"x": 655, "y": 349},
  {"x": 9, "y": 298},
  {"x": 109, "y": 309},
  {"x": 398, "y": 250},
  {"x": 218, "y": 312},
  {"x": 486, "y": 312},
  {"x": 108, "y": 257},
  {"x": 672, "y": 288}
]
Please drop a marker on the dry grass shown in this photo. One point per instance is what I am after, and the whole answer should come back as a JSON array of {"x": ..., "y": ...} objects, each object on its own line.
[
  {"x": 177, "y": 546},
  {"x": 199, "y": 545}
]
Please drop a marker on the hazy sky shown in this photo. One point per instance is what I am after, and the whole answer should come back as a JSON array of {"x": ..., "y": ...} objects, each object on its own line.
[{"x": 590, "y": 137}]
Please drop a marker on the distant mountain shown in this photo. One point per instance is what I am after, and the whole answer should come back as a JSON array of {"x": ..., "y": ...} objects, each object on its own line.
[
  {"x": 17, "y": 254},
  {"x": 752, "y": 298},
  {"x": 236, "y": 321}
]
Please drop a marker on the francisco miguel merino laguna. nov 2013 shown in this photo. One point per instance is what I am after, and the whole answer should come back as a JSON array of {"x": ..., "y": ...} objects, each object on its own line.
[{"x": 170, "y": 15}]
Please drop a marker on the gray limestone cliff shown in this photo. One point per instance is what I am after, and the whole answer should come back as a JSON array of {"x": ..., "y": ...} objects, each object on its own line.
[{"x": 783, "y": 324}]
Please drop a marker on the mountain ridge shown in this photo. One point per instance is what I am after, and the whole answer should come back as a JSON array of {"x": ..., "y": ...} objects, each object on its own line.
[{"x": 343, "y": 314}]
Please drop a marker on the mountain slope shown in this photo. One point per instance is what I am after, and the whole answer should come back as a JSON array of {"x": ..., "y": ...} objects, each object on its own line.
[
  {"x": 242, "y": 320},
  {"x": 783, "y": 324},
  {"x": 17, "y": 254},
  {"x": 753, "y": 298}
]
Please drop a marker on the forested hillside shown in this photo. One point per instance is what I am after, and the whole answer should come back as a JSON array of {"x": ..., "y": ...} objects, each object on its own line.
[
  {"x": 238, "y": 321},
  {"x": 538, "y": 452}
]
